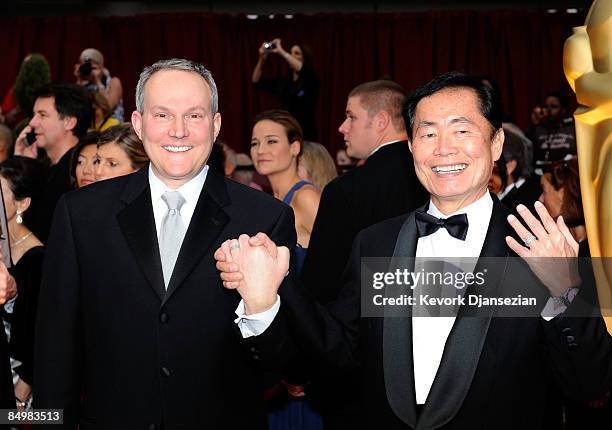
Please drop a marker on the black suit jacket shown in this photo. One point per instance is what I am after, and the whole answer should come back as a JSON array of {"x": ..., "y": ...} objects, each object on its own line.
[
  {"x": 113, "y": 348},
  {"x": 495, "y": 373},
  {"x": 57, "y": 183},
  {"x": 384, "y": 187},
  {"x": 527, "y": 194}
]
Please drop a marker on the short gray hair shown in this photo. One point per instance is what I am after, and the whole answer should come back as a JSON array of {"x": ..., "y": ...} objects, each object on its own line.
[{"x": 176, "y": 64}]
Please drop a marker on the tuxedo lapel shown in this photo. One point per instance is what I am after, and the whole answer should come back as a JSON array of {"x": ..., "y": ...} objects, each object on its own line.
[
  {"x": 137, "y": 224},
  {"x": 466, "y": 339},
  {"x": 397, "y": 338},
  {"x": 206, "y": 224}
]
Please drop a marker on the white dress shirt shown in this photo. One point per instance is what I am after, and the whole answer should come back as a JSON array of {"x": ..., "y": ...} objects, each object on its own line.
[
  {"x": 429, "y": 334},
  {"x": 190, "y": 192}
]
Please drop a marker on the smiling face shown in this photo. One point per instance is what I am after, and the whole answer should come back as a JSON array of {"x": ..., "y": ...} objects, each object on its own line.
[
  {"x": 86, "y": 165},
  {"x": 270, "y": 148},
  {"x": 359, "y": 135},
  {"x": 453, "y": 149},
  {"x": 177, "y": 126}
]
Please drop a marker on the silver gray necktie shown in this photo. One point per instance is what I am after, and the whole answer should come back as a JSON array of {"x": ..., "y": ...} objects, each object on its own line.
[{"x": 172, "y": 232}]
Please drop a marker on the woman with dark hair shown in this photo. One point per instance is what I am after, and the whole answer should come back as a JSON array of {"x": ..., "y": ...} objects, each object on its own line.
[
  {"x": 21, "y": 178},
  {"x": 120, "y": 152},
  {"x": 83, "y": 162},
  {"x": 298, "y": 90}
]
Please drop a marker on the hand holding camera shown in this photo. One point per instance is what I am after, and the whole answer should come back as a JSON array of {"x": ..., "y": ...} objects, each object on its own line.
[
  {"x": 271, "y": 46},
  {"x": 88, "y": 72}
]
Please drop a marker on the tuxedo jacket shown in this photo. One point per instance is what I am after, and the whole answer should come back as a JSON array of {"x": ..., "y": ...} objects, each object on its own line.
[
  {"x": 527, "y": 194},
  {"x": 384, "y": 187},
  {"x": 495, "y": 373},
  {"x": 113, "y": 348}
]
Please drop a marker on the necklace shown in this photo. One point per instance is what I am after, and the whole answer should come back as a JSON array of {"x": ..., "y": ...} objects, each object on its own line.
[{"x": 21, "y": 239}]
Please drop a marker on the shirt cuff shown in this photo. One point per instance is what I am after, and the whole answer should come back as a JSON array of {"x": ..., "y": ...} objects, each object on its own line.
[
  {"x": 255, "y": 324},
  {"x": 558, "y": 305}
]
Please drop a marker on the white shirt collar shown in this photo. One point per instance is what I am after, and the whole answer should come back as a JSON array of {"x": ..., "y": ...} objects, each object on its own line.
[
  {"x": 442, "y": 244},
  {"x": 473, "y": 210},
  {"x": 381, "y": 145},
  {"x": 190, "y": 191}
]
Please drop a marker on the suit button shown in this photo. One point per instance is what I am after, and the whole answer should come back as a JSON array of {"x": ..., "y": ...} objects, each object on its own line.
[
  {"x": 572, "y": 346},
  {"x": 165, "y": 371},
  {"x": 163, "y": 318},
  {"x": 253, "y": 350},
  {"x": 152, "y": 427},
  {"x": 569, "y": 339},
  {"x": 566, "y": 331}
]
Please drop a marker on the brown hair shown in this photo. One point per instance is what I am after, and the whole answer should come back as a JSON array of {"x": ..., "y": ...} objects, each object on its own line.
[
  {"x": 321, "y": 166},
  {"x": 290, "y": 124},
  {"x": 124, "y": 136},
  {"x": 564, "y": 175},
  {"x": 382, "y": 95}
]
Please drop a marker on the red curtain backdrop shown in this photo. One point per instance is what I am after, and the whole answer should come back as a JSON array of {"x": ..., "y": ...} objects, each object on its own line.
[{"x": 522, "y": 50}]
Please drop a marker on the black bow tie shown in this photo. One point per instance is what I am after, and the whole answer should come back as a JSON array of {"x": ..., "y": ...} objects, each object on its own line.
[{"x": 457, "y": 225}]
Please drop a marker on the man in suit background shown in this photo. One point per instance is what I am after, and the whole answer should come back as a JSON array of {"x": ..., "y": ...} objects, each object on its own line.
[
  {"x": 134, "y": 328},
  {"x": 62, "y": 115},
  {"x": 384, "y": 187},
  {"x": 522, "y": 188},
  {"x": 451, "y": 372}
]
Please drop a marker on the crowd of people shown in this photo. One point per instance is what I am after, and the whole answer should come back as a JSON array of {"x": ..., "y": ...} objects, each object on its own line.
[{"x": 84, "y": 331}]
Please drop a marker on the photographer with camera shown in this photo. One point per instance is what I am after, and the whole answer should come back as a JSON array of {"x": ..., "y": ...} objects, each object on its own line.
[
  {"x": 551, "y": 130},
  {"x": 298, "y": 90},
  {"x": 91, "y": 73}
]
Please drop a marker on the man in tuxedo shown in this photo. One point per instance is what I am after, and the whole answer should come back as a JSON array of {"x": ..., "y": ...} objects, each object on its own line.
[
  {"x": 384, "y": 187},
  {"x": 521, "y": 188},
  {"x": 453, "y": 372},
  {"x": 134, "y": 328},
  {"x": 62, "y": 115}
]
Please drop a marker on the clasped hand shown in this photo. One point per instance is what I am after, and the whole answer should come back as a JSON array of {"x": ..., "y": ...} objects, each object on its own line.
[{"x": 255, "y": 267}]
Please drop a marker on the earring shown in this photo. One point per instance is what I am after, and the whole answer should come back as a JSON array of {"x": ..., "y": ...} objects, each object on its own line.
[{"x": 18, "y": 218}]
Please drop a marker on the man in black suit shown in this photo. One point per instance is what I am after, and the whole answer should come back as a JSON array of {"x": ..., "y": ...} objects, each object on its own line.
[
  {"x": 384, "y": 187},
  {"x": 458, "y": 371},
  {"x": 62, "y": 115},
  {"x": 522, "y": 188},
  {"x": 134, "y": 328}
]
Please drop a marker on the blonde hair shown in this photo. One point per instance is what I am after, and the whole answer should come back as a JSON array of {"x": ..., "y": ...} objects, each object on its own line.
[{"x": 319, "y": 162}]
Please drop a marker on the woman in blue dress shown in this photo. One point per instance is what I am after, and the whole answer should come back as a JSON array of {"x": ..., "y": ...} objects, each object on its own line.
[{"x": 276, "y": 145}]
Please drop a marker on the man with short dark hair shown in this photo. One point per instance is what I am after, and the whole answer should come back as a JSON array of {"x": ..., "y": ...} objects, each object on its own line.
[
  {"x": 62, "y": 115},
  {"x": 384, "y": 187},
  {"x": 521, "y": 188},
  {"x": 464, "y": 370}
]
